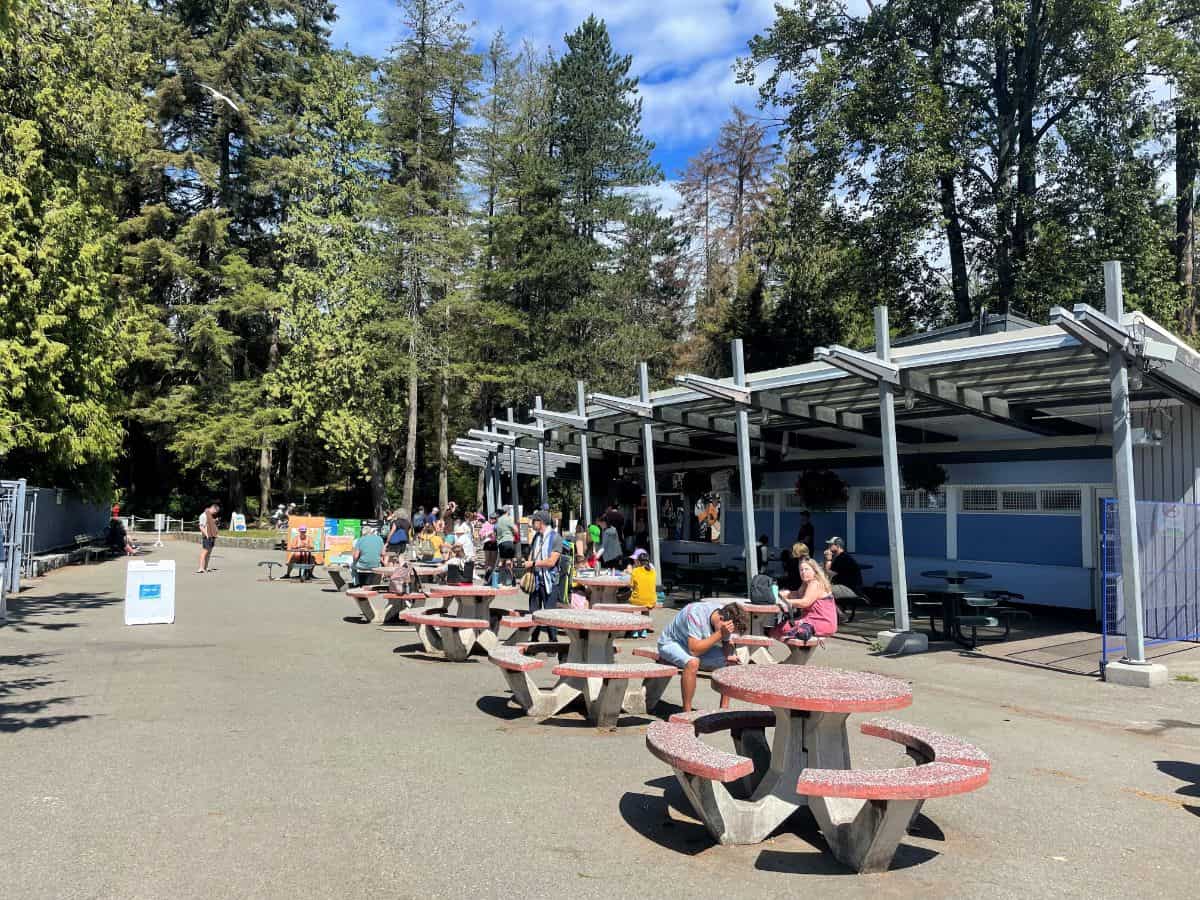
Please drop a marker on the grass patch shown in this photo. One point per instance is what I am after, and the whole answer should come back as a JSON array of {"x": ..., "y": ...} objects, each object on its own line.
[
  {"x": 1191, "y": 679},
  {"x": 254, "y": 533}
]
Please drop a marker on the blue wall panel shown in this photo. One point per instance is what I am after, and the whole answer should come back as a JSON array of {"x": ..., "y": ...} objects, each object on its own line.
[
  {"x": 1036, "y": 540},
  {"x": 924, "y": 534}
]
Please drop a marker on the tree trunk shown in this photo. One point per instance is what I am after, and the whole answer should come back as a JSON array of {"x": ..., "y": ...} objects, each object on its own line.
[
  {"x": 1006, "y": 133},
  {"x": 289, "y": 469},
  {"x": 443, "y": 442},
  {"x": 1187, "y": 169},
  {"x": 264, "y": 480},
  {"x": 959, "y": 281},
  {"x": 237, "y": 497},
  {"x": 378, "y": 488},
  {"x": 479, "y": 489},
  {"x": 410, "y": 446}
]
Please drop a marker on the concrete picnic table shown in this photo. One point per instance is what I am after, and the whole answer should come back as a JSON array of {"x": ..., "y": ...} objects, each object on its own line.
[
  {"x": 808, "y": 710},
  {"x": 762, "y": 615},
  {"x": 466, "y": 621},
  {"x": 593, "y": 633},
  {"x": 604, "y": 587}
]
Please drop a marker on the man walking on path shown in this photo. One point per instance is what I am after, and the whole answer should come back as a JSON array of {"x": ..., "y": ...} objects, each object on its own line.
[{"x": 208, "y": 534}]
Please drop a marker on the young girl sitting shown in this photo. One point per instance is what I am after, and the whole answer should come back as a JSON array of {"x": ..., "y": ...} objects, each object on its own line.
[
  {"x": 815, "y": 604},
  {"x": 643, "y": 583}
]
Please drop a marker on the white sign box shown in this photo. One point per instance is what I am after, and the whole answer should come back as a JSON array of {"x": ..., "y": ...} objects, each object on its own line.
[{"x": 150, "y": 592}]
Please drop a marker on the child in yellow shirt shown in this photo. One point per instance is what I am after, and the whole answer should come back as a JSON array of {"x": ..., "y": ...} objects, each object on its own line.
[{"x": 643, "y": 583}]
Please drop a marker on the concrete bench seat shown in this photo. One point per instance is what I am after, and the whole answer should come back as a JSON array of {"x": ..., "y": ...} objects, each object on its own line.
[
  {"x": 270, "y": 564},
  {"x": 864, "y": 814},
  {"x": 708, "y": 721},
  {"x": 676, "y": 744},
  {"x": 516, "y": 661},
  {"x": 382, "y": 607},
  {"x": 635, "y": 687},
  {"x": 753, "y": 648},
  {"x": 522, "y": 627},
  {"x": 454, "y": 637},
  {"x": 925, "y": 745},
  {"x": 624, "y": 608},
  {"x": 800, "y": 652}
]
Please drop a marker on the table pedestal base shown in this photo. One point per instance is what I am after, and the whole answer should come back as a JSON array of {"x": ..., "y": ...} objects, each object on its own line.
[
  {"x": 456, "y": 643},
  {"x": 801, "y": 740},
  {"x": 863, "y": 834}
]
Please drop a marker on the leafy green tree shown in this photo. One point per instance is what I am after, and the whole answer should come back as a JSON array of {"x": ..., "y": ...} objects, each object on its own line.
[{"x": 70, "y": 122}]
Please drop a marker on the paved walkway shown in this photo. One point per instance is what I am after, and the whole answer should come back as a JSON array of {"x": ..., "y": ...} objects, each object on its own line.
[{"x": 264, "y": 746}]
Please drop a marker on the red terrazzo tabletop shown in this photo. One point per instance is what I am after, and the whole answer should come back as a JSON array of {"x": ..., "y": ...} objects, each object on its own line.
[
  {"x": 603, "y": 580},
  {"x": 759, "y": 609},
  {"x": 589, "y": 620},
  {"x": 812, "y": 688},
  {"x": 471, "y": 590}
]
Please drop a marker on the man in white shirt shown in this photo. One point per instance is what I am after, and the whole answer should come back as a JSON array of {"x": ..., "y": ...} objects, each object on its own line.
[{"x": 208, "y": 534}]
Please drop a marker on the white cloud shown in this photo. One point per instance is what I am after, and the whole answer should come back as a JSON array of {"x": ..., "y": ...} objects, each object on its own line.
[{"x": 683, "y": 50}]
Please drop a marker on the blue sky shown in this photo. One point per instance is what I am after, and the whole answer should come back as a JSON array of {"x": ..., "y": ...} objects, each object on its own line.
[{"x": 683, "y": 51}]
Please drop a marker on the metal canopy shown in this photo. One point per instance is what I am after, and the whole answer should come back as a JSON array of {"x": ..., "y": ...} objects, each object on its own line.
[{"x": 1011, "y": 387}]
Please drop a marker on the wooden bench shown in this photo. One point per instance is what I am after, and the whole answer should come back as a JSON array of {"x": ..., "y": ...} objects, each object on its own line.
[
  {"x": 91, "y": 548},
  {"x": 864, "y": 814},
  {"x": 453, "y": 637},
  {"x": 636, "y": 687},
  {"x": 516, "y": 661}
]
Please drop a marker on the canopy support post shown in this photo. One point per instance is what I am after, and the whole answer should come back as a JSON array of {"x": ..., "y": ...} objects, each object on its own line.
[
  {"x": 900, "y": 638},
  {"x": 585, "y": 474},
  {"x": 1133, "y": 668},
  {"x": 651, "y": 485},
  {"x": 745, "y": 476},
  {"x": 516, "y": 500},
  {"x": 543, "y": 488}
]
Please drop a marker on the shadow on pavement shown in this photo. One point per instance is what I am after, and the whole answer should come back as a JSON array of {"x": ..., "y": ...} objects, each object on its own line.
[
  {"x": 17, "y": 715},
  {"x": 499, "y": 708},
  {"x": 46, "y": 613},
  {"x": 650, "y": 816},
  {"x": 1188, "y": 772}
]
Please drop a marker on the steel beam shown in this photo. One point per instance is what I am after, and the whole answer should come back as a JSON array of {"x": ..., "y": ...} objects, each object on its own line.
[
  {"x": 585, "y": 473},
  {"x": 891, "y": 475}
]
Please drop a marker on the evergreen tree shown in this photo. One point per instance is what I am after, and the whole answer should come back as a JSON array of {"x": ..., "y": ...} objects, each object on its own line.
[{"x": 70, "y": 122}]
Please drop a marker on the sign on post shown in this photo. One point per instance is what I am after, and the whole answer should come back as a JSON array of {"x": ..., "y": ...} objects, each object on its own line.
[
  {"x": 150, "y": 592},
  {"x": 237, "y": 522}
]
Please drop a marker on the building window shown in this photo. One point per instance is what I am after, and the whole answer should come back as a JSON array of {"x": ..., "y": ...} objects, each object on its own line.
[{"x": 1022, "y": 500}]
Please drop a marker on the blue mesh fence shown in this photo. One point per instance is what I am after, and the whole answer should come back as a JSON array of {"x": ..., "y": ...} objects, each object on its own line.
[{"x": 1168, "y": 536}]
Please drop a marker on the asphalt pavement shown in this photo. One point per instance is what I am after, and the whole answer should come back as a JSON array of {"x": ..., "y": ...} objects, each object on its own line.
[{"x": 269, "y": 745}]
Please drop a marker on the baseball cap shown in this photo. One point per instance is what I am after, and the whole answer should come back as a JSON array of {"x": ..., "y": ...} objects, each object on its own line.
[
  {"x": 303, "y": 529},
  {"x": 836, "y": 542},
  {"x": 542, "y": 516},
  {"x": 639, "y": 553}
]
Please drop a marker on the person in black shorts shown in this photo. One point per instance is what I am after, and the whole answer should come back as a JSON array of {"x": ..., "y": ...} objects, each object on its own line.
[{"x": 506, "y": 542}]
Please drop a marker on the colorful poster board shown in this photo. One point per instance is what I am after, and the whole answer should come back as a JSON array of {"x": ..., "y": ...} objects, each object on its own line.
[
  {"x": 352, "y": 527},
  {"x": 331, "y": 526},
  {"x": 338, "y": 545},
  {"x": 237, "y": 522}
]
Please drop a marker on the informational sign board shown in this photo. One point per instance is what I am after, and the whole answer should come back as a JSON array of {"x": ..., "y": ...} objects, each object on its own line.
[
  {"x": 352, "y": 527},
  {"x": 150, "y": 592},
  {"x": 237, "y": 522},
  {"x": 331, "y": 526},
  {"x": 160, "y": 522}
]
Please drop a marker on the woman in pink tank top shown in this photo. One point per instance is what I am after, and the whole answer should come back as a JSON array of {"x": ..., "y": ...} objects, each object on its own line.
[{"x": 815, "y": 601}]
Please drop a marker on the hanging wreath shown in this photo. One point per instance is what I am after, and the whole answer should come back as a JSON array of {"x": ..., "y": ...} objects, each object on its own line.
[
  {"x": 821, "y": 489},
  {"x": 920, "y": 473}
]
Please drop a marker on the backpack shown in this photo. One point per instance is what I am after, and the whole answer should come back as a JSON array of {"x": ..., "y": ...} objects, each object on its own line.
[{"x": 762, "y": 589}]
